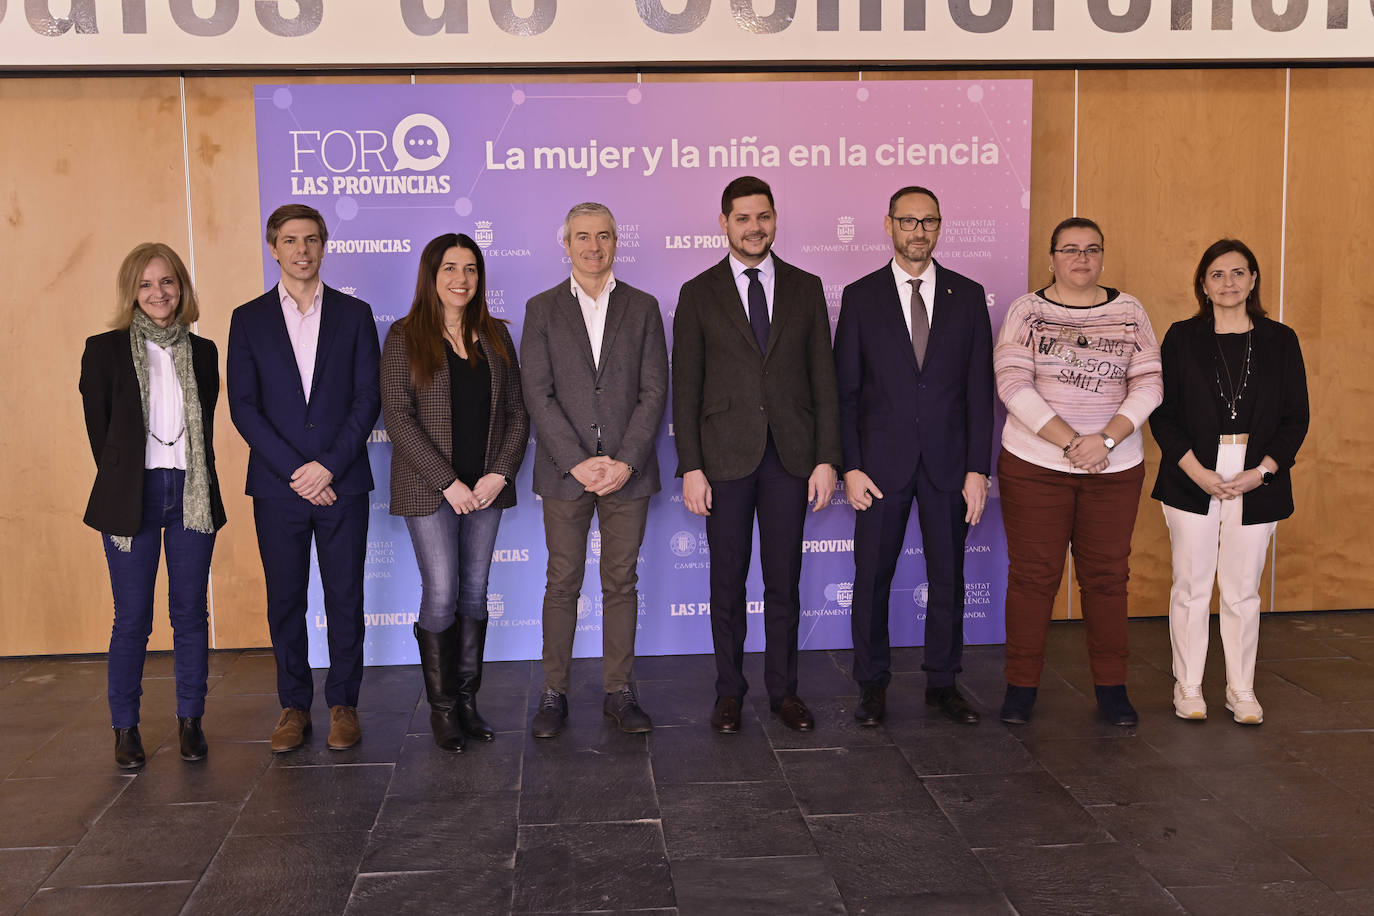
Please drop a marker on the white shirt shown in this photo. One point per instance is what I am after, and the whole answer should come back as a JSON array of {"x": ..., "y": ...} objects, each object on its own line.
[
  {"x": 594, "y": 313},
  {"x": 742, "y": 282},
  {"x": 166, "y": 412},
  {"x": 304, "y": 331},
  {"x": 927, "y": 279}
]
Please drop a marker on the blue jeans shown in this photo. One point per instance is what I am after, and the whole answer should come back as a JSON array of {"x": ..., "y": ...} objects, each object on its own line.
[
  {"x": 453, "y": 553},
  {"x": 133, "y": 576}
]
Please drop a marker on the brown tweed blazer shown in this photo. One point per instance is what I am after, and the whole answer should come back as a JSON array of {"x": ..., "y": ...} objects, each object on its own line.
[{"x": 417, "y": 423}]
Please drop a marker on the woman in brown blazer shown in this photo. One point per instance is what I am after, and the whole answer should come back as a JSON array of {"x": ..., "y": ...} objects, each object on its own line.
[{"x": 455, "y": 414}]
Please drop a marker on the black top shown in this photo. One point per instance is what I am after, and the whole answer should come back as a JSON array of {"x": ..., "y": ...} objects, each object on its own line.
[
  {"x": 1111, "y": 292},
  {"x": 1235, "y": 374},
  {"x": 469, "y": 389}
]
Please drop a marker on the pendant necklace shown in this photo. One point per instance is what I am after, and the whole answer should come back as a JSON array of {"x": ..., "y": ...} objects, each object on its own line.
[{"x": 1236, "y": 393}]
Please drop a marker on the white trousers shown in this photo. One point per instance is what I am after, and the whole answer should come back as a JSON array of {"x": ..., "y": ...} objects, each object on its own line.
[{"x": 1216, "y": 547}]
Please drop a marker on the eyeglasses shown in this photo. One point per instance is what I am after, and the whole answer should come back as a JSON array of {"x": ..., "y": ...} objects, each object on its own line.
[
  {"x": 1072, "y": 253},
  {"x": 908, "y": 223}
]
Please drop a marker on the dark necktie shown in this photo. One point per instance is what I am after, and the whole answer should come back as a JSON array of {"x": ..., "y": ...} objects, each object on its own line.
[
  {"x": 758, "y": 309},
  {"x": 920, "y": 323}
]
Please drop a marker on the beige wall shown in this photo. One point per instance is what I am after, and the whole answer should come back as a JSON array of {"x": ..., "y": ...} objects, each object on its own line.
[{"x": 1166, "y": 160}]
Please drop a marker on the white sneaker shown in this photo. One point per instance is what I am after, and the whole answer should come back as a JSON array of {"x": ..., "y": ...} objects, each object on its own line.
[
  {"x": 1244, "y": 706},
  {"x": 1188, "y": 702}
]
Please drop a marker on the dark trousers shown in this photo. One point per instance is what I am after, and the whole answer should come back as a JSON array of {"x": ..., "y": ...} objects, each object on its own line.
[
  {"x": 285, "y": 527},
  {"x": 566, "y": 522},
  {"x": 1047, "y": 512},
  {"x": 878, "y": 536},
  {"x": 779, "y": 500},
  {"x": 133, "y": 576}
]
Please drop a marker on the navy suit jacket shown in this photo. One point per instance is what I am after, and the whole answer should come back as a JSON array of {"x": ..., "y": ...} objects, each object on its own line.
[
  {"x": 894, "y": 414},
  {"x": 268, "y": 405}
]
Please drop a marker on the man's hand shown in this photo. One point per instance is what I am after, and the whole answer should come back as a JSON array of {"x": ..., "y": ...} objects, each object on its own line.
[
  {"x": 589, "y": 472},
  {"x": 325, "y": 497},
  {"x": 975, "y": 496},
  {"x": 821, "y": 486},
  {"x": 696, "y": 492},
  {"x": 310, "y": 479},
  {"x": 616, "y": 476},
  {"x": 860, "y": 490}
]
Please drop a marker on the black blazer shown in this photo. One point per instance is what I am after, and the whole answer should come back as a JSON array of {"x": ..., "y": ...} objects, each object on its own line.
[
  {"x": 727, "y": 396},
  {"x": 895, "y": 414},
  {"x": 114, "y": 426},
  {"x": 1189, "y": 417}
]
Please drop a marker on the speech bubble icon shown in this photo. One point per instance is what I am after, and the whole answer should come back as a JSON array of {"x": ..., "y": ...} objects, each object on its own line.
[{"x": 420, "y": 143}]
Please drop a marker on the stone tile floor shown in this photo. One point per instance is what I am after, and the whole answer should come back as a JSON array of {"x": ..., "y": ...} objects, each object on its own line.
[{"x": 1066, "y": 815}]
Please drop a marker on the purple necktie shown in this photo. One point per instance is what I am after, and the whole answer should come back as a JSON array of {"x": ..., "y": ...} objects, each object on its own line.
[
  {"x": 758, "y": 309},
  {"x": 920, "y": 323}
]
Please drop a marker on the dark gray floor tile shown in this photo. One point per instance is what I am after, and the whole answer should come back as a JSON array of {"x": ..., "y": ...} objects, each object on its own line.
[
  {"x": 853, "y": 780},
  {"x": 1187, "y": 842},
  {"x": 227, "y": 774},
  {"x": 1341, "y": 862},
  {"x": 112, "y": 900},
  {"x": 755, "y": 887},
  {"x": 1360, "y": 901},
  {"x": 1336, "y": 623},
  {"x": 583, "y": 786},
  {"x": 1302, "y": 898},
  {"x": 835, "y": 726},
  {"x": 464, "y": 835},
  {"x": 54, "y": 811},
  {"x": 1216, "y": 744},
  {"x": 988, "y": 748},
  {"x": 139, "y": 844},
  {"x": 303, "y": 875},
  {"x": 1291, "y": 706},
  {"x": 1343, "y": 757},
  {"x": 251, "y": 672},
  {"x": 431, "y": 893},
  {"x": 880, "y": 861},
  {"x": 297, "y": 800},
  {"x": 12, "y": 668},
  {"x": 161, "y": 664},
  {"x": 1013, "y": 809},
  {"x": 674, "y": 703},
  {"x": 55, "y": 683},
  {"x": 956, "y": 904},
  {"x": 1284, "y": 800},
  {"x": 1069, "y": 880},
  {"x": 579, "y": 867},
  {"x": 88, "y": 748},
  {"x": 697, "y": 754},
  {"x": 241, "y": 717},
  {"x": 727, "y": 820},
  {"x": 23, "y": 871},
  {"x": 423, "y": 770},
  {"x": 390, "y": 688},
  {"x": 1114, "y": 771}
]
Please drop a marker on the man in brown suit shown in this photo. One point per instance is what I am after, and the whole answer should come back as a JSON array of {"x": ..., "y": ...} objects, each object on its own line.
[
  {"x": 595, "y": 367},
  {"x": 756, "y": 417}
]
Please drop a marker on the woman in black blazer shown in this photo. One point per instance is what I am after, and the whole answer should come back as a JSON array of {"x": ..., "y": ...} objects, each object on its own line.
[
  {"x": 1233, "y": 417},
  {"x": 148, "y": 389}
]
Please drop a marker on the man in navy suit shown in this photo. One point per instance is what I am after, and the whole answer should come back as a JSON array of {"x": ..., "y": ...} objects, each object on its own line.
[
  {"x": 913, "y": 359},
  {"x": 302, "y": 378}
]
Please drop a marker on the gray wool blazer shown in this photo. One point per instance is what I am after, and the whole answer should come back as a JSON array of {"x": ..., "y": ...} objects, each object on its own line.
[{"x": 570, "y": 397}]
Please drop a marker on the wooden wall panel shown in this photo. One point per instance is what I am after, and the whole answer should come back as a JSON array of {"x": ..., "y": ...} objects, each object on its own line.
[
  {"x": 1326, "y": 550},
  {"x": 90, "y": 168},
  {"x": 1168, "y": 162}
]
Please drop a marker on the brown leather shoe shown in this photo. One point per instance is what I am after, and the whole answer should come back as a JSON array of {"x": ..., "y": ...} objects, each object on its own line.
[
  {"x": 725, "y": 717},
  {"x": 794, "y": 714},
  {"x": 291, "y": 730},
  {"x": 344, "y": 730}
]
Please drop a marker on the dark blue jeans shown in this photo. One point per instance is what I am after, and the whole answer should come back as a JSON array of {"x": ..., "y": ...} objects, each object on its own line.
[
  {"x": 453, "y": 553},
  {"x": 133, "y": 576}
]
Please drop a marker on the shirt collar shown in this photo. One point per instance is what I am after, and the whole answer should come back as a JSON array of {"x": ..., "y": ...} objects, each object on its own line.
[
  {"x": 318, "y": 298},
  {"x": 579, "y": 292},
  {"x": 927, "y": 276},
  {"x": 765, "y": 266}
]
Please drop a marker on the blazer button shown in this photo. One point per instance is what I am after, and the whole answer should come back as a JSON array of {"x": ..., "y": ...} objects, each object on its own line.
[
  {"x": 310, "y": 426},
  {"x": 598, "y": 391}
]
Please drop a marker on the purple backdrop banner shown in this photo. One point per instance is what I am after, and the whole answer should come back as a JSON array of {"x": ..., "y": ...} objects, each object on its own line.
[{"x": 390, "y": 167}]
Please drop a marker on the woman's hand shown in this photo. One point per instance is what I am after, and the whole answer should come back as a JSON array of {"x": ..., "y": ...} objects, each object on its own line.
[
  {"x": 461, "y": 498},
  {"x": 1243, "y": 483},
  {"x": 1088, "y": 453},
  {"x": 487, "y": 489},
  {"x": 1211, "y": 483}
]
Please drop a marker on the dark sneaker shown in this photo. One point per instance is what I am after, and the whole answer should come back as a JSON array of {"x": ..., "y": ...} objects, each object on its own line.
[
  {"x": 551, "y": 716},
  {"x": 622, "y": 706}
]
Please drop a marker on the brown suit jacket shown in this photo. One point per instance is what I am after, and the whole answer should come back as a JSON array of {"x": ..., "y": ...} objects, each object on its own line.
[
  {"x": 727, "y": 396},
  {"x": 417, "y": 423}
]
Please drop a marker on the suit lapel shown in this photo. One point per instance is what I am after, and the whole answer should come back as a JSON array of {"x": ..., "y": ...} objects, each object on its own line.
[
  {"x": 278, "y": 341},
  {"x": 727, "y": 296},
  {"x": 329, "y": 327},
  {"x": 571, "y": 310},
  {"x": 615, "y": 314},
  {"x": 783, "y": 301},
  {"x": 892, "y": 322}
]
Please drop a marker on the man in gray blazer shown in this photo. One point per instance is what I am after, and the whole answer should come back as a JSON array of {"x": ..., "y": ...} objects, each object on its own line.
[{"x": 595, "y": 369}]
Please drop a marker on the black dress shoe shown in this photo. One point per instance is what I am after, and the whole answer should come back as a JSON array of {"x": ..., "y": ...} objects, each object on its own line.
[
  {"x": 193, "y": 746},
  {"x": 1115, "y": 705},
  {"x": 128, "y": 748},
  {"x": 725, "y": 717},
  {"x": 794, "y": 714},
  {"x": 872, "y": 705},
  {"x": 952, "y": 706}
]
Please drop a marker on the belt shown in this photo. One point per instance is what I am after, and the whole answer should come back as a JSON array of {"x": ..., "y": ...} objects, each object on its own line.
[{"x": 1235, "y": 439}]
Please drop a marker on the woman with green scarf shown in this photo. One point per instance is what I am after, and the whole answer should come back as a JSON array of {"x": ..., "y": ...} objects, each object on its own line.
[{"x": 149, "y": 388}]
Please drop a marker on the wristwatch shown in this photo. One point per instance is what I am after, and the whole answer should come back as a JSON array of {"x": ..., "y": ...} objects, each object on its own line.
[
  {"x": 1111, "y": 443},
  {"x": 1266, "y": 476}
]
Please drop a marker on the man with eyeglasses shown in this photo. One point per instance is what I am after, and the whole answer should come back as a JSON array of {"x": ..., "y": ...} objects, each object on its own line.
[{"x": 913, "y": 359}]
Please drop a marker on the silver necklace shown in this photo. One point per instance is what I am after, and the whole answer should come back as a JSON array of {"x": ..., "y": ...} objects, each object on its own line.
[{"x": 1236, "y": 393}]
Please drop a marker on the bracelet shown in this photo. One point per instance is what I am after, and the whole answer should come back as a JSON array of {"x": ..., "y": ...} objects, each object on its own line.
[{"x": 1070, "y": 443}]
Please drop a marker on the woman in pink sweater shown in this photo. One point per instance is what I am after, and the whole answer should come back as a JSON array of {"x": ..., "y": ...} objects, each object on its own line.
[{"x": 1078, "y": 369}]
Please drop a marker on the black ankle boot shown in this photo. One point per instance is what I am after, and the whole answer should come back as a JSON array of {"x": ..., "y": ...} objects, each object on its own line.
[
  {"x": 128, "y": 748},
  {"x": 193, "y": 745},
  {"x": 467, "y": 668},
  {"x": 443, "y": 720},
  {"x": 1018, "y": 704},
  {"x": 1115, "y": 705}
]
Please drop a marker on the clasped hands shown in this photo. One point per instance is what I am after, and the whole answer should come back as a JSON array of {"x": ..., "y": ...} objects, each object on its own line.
[
  {"x": 1213, "y": 484},
  {"x": 1088, "y": 453},
  {"x": 466, "y": 500},
  {"x": 601, "y": 474},
  {"x": 311, "y": 481}
]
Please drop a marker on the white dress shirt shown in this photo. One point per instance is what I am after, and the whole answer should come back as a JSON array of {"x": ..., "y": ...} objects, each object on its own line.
[
  {"x": 594, "y": 313},
  {"x": 927, "y": 279},
  {"x": 766, "y": 268},
  {"x": 166, "y": 412},
  {"x": 304, "y": 331}
]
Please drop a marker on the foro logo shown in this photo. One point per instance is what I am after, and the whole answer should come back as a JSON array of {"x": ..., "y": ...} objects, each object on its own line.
[{"x": 420, "y": 142}]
